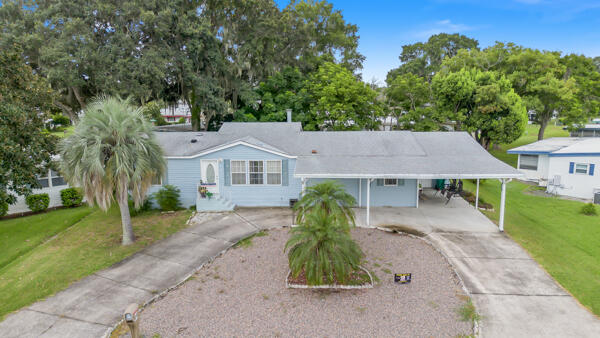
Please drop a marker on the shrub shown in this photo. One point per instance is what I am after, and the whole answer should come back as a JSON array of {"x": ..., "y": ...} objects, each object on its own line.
[
  {"x": 323, "y": 249},
  {"x": 71, "y": 197},
  {"x": 589, "y": 209},
  {"x": 181, "y": 120},
  {"x": 3, "y": 208},
  {"x": 146, "y": 206},
  {"x": 168, "y": 198},
  {"x": 37, "y": 202},
  {"x": 60, "y": 120}
]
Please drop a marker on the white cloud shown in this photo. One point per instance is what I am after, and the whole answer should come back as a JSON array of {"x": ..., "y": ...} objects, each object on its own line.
[{"x": 443, "y": 26}]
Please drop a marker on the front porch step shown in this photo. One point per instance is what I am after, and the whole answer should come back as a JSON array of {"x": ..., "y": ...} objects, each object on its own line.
[{"x": 216, "y": 203}]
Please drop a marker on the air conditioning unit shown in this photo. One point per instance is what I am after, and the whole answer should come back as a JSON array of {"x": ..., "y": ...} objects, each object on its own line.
[{"x": 596, "y": 196}]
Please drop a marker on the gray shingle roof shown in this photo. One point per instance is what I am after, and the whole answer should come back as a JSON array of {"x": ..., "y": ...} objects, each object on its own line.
[{"x": 352, "y": 153}]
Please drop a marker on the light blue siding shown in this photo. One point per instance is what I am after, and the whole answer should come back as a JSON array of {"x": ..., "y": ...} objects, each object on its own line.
[
  {"x": 392, "y": 196},
  {"x": 186, "y": 173}
]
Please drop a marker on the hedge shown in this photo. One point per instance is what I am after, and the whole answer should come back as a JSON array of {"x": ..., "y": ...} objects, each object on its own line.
[{"x": 37, "y": 202}]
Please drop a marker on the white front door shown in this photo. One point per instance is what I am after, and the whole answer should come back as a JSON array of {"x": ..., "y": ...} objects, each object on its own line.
[{"x": 210, "y": 175}]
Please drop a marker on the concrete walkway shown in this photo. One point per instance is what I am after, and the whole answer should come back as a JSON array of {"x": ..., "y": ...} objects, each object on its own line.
[
  {"x": 513, "y": 294},
  {"x": 92, "y": 306}
]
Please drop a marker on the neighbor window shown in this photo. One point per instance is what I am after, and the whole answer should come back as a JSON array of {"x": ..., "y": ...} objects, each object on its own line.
[
  {"x": 581, "y": 168},
  {"x": 57, "y": 179},
  {"x": 238, "y": 172},
  {"x": 274, "y": 172},
  {"x": 43, "y": 180},
  {"x": 390, "y": 181},
  {"x": 255, "y": 169},
  {"x": 528, "y": 162}
]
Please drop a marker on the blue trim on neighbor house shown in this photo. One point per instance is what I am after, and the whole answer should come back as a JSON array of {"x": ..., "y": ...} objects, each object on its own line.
[{"x": 573, "y": 154}]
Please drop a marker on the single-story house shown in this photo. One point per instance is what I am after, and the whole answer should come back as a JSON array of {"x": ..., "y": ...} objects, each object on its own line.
[
  {"x": 270, "y": 164},
  {"x": 588, "y": 130},
  {"x": 564, "y": 165}
]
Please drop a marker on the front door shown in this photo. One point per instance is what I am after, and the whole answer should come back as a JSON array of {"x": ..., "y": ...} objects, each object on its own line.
[{"x": 210, "y": 175}]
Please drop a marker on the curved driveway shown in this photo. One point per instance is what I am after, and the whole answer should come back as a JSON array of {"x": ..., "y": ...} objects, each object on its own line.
[{"x": 514, "y": 295}]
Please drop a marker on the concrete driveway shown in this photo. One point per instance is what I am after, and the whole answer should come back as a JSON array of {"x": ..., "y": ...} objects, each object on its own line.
[
  {"x": 514, "y": 295},
  {"x": 92, "y": 306}
]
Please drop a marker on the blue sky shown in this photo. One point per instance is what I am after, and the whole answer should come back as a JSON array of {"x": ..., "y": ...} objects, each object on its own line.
[{"x": 384, "y": 26}]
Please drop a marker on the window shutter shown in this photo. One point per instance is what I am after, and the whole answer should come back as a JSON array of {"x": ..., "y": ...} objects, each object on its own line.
[
  {"x": 227, "y": 174},
  {"x": 571, "y": 167},
  {"x": 400, "y": 182},
  {"x": 285, "y": 175},
  {"x": 592, "y": 165},
  {"x": 379, "y": 182}
]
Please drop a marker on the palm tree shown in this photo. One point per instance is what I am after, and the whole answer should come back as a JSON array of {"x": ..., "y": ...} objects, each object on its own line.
[
  {"x": 329, "y": 196},
  {"x": 112, "y": 153},
  {"x": 323, "y": 249}
]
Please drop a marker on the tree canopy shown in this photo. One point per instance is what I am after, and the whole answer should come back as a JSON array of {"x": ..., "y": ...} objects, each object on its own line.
[
  {"x": 25, "y": 150},
  {"x": 210, "y": 54}
]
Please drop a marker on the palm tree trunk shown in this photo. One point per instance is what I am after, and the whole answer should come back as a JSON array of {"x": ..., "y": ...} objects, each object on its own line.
[{"x": 128, "y": 237}]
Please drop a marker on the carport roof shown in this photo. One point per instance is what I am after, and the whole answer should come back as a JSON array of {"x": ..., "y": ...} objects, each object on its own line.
[{"x": 368, "y": 154}]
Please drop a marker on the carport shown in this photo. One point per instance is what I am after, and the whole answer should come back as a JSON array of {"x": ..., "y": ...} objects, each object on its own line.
[{"x": 431, "y": 155}]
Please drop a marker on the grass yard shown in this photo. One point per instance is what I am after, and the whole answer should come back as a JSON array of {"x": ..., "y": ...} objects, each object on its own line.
[
  {"x": 65, "y": 132},
  {"x": 43, "y": 254},
  {"x": 529, "y": 136},
  {"x": 565, "y": 242}
]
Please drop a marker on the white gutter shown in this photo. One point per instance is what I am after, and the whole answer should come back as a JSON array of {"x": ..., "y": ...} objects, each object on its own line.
[{"x": 411, "y": 176}]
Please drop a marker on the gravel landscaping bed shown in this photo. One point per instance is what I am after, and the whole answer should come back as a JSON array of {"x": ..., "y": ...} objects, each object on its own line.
[{"x": 243, "y": 293}]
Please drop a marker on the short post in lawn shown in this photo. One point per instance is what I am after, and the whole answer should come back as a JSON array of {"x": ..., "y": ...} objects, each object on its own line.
[{"x": 131, "y": 319}]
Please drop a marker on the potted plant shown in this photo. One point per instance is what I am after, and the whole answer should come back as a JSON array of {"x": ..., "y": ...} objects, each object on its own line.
[
  {"x": 203, "y": 191},
  {"x": 209, "y": 194}
]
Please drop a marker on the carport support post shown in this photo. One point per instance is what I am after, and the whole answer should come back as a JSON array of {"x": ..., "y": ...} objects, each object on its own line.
[
  {"x": 502, "y": 203},
  {"x": 369, "y": 201},
  {"x": 477, "y": 196}
]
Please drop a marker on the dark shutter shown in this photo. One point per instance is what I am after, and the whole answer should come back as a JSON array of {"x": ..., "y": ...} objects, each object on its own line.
[
  {"x": 285, "y": 175},
  {"x": 379, "y": 181},
  {"x": 571, "y": 167},
  {"x": 592, "y": 169},
  {"x": 226, "y": 172}
]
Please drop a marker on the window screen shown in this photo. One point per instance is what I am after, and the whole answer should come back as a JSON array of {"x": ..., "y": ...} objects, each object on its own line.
[{"x": 528, "y": 162}]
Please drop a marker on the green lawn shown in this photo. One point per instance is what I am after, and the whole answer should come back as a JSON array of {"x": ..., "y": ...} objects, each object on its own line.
[
  {"x": 529, "y": 136},
  {"x": 65, "y": 132},
  {"x": 45, "y": 253}
]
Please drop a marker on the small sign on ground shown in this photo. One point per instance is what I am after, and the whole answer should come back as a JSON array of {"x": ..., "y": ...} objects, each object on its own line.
[{"x": 402, "y": 278}]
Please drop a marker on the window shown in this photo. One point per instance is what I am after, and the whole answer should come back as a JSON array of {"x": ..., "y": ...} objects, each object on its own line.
[
  {"x": 273, "y": 172},
  {"x": 581, "y": 168},
  {"x": 528, "y": 162},
  {"x": 43, "y": 180},
  {"x": 56, "y": 179},
  {"x": 238, "y": 172},
  {"x": 390, "y": 181},
  {"x": 256, "y": 172},
  {"x": 157, "y": 180}
]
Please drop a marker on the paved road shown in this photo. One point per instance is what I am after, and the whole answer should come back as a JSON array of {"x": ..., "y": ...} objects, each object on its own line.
[{"x": 92, "y": 306}]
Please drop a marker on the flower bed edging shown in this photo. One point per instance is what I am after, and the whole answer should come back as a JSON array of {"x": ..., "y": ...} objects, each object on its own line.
[{"x": 330, "y": 286}]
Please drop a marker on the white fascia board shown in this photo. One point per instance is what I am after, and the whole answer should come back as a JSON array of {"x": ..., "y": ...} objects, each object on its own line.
[
  {"x": 212, "y": 150},
  {"x": 411, "y": 176}
]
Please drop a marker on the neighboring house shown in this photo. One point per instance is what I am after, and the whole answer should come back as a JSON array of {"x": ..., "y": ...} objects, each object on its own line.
[
  {"x": 52, "y": 183},
  {"x": 565, "y": 165},
  {"x": 269, "y": 164},
  {"x": 176, "y": 112},
  {"x": 589, "y": 130}
]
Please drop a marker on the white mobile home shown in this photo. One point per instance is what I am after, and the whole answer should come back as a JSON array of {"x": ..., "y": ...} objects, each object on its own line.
[{"x": 564, "y": 165}]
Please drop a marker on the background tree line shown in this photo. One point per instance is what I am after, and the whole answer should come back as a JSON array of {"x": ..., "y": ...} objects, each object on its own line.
[{"x": 450, "y": 81}]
